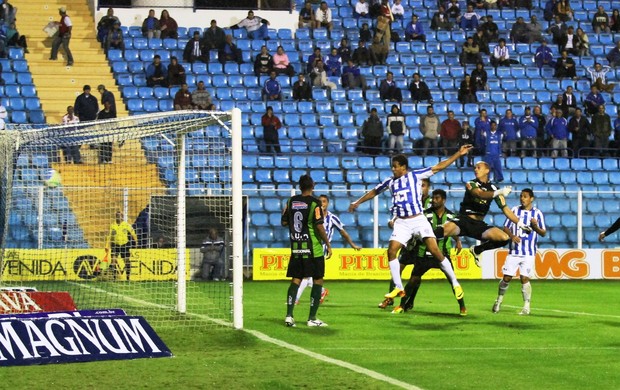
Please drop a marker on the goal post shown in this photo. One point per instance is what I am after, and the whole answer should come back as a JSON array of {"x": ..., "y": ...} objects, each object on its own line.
[{"x": 174, "y": 176}]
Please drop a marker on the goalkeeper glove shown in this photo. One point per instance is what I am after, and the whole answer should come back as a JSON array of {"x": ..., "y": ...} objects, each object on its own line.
[
  {"x": 504, "y": 191},
  {"x": 524, "y": 227}
]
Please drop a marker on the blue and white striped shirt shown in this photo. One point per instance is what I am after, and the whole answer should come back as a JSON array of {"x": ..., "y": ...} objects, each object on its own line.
[
  {"x": 406, "y": 192},
  {"x": 529, "y": 241},
  {"x": 331, "y": 221}
]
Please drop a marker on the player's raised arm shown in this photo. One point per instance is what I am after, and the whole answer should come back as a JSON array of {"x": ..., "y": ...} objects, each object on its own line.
[
  {"x": 512, "y": 217},
  {"x": 367, "y": 196},
  {"x": 484, "y": 194},
  {"x": 348, "y": 239},
  {"x": 323, "y": 234},
  {"x": 447, "y": 162}
]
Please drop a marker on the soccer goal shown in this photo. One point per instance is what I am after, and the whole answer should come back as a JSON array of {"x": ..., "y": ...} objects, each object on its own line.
[{"x": 68, "y": 192}]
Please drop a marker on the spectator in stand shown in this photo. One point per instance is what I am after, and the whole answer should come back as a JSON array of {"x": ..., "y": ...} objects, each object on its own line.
[
  {"x": 361, "y": 55},
  {"x": 479, "y": 77},
  {"x": 183, "y": 98},
  {"x": 469, "y": 20},
  {"x": 105, "y": 25},
  {"x": 105, "y": 148},
  {"x": 440, "y": 20},
  {"x": 201, "y": 98},
  {"x": 467, "y": 91},
  {"x": 114, "y": 38},
  {"x": 482, "y": 125},
  {"x": 313, "y": 59},
  {"x": 353, "y": 78},
  {"x": 558, "y": 30},
  {"x": 86, "y": 106},
  {"x": 263, "y": 63},
  {"x": 558, "y": 104},
  {"x": 509, "y": 127},
  {"x": 398, "y": 11},
  {"x": 614, "y": 56},
  {"x": 616, "y": 135},
  {"x": 449, "y": 134},
  {"x": 557, "y": 128},
  {"x": 501, "y": 54},
  {"x": 168, "y": 27},
  {"x": 306, "y": 16},
  {"x": 583, "y": 44},
  {"x": 70, "y": 153},
  {"x": 419, "y": 90},
  {"x": 213, "y": 38},
  {"x": 378, "y": 51},
  {"x": 365, "y": 33},
  {"x": 14, "y": 38},
  {"x": 430, "y": 126},
  {"x": 256, "y": 26},
  {"x": 333, "y": 63},
  {"x": 302, "y": 89},
  {"x": 569, "y": 102},
  {"x": 176, "y": 72},
  {"x": 493, "y": 141},
  {"x": 344, "y": 50},
  {"x": 540, "y": 132},
  {"x": 319, "y": 77},
  {"x": 414, "y": 30},
  {"x": 614, "y": 22},
  {"x": 323, "y": 16},
  {"x": 465, "y": 138},
  {"x": 281, "y": 63},
  {"x": 157, "y": 73},
  {"x": 372, "y": 132},
  {"x": 601, "y": 130},
  {"x": 271, "y": 125},
  {"x": 579, "y": 127},
  {"x": 528, "y": 128},
  {"x": 549, "y": 10},
  {"x": 272, "y": 89},
  {"x": 470, "y": 53},
  {"x": 386, "y": 12},
  {"x": 544, "y": 56},
  {"x": 195, "y": 50},
  {"x": 597, "y": 76},
  {"x": 361, "y": 9},
  {"x": 63, "y": 36},
  {"x": 396, "y": 130},
  {"x": 571, "y": 44},
  {"x": 563, "y": 10},
  {"x": 565, "y": 67},
  {"x": 519, "y": 32},
  {"x": 229, "y": 52},
  {"x": 454, "y": 11},
  {"x": 534, "y": 30},
  {"x": 107, "y": 97},
  {"x": 600, "y": 21},
  {"x": 482, "y": 42},
  {"x": 490, "y": 29},
  {"x": 388, "y": 89},
  {"x": 150, "y": 26}
]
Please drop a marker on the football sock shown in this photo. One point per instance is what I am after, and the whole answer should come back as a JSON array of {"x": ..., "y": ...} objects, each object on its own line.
[
  {"x": 395, "y": 271},
  {"x": 478, "y": 249},
  {"x": 446, "y": 268},
  {"x": 302, "y": 286},
  {"x": 503, "y": 286},
  {"x": 290, "y": 298},
  {"x": 438, "y": 232},
  {"x": 526, "y": 289},
  {"x": 315, "y": 299}
]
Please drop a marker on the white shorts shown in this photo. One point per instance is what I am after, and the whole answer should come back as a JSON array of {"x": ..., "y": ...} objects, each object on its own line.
[
  {"x": 417, "y": 227},
  {"x": 525, "y": 265}
]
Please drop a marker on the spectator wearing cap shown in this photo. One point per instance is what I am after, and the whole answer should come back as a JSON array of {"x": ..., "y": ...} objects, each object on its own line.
[
  {"x": 157, "y": 73},
  {"x": 86, "y": 105},
  {"x": 107, "y": 96},
  {"x": 414, "y": 30},
  {"x": 63, "y": 37},
  {"x": 114, "y": 38}
]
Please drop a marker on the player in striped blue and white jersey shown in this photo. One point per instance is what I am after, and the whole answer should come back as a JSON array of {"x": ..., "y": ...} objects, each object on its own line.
[
  {"x": 523, "y": 246},
  {"x": 410, "y": 222}
]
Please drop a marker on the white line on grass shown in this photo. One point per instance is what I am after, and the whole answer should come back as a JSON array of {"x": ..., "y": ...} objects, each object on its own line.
[
  {"x": 414, "y": 349},
  {"x": 266, "y": 338},
  {"x": 577, "y": 313}
]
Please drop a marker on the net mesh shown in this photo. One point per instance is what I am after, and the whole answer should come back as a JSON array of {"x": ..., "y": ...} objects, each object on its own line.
[{"x": 58, "y": 214}]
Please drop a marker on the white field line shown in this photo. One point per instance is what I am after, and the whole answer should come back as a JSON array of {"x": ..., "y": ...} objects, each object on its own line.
[
  {"x": 576, "y": 313},
  {"x": 266, "y": 338}
]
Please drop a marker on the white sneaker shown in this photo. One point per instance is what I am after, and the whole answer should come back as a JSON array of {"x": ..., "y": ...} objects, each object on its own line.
[
  {"x": 289, "y": 321},
  {"x": 316, "y": 322},
  {"x": 475, "y": 256},
  {"x": 496, "y": 306},
  {"x": 525, "y": 311}
]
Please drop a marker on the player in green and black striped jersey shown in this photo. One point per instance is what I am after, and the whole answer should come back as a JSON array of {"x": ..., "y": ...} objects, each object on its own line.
[{"x": 304, "y": 217}]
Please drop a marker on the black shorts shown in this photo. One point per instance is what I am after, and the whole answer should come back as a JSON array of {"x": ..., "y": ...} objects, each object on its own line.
[
  {"x": 121, "y": 250},
  {"x": 407, "y": 256},
  {"x": 423, "y": 264},
  {"x": 300, "y": 268},
  {"x": 471, "y": 228}
]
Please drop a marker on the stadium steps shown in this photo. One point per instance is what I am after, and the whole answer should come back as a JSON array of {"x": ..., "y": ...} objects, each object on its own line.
[
  {"x": 96, "y": 196},
  {"x": 58, "y": 85}
]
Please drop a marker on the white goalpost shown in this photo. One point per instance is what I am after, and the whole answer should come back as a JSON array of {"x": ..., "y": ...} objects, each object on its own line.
[{"x": 175, "y": 177}]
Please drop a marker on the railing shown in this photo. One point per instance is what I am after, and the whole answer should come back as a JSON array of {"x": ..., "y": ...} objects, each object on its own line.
[{"x": 273, "y": 5}]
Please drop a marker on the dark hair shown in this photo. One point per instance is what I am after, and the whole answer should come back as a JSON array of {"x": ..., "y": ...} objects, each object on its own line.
[
  {"x": 305, "y": 183},
  {"x": 156, "y": 56},
  {"x": 440, "y": 192},
  {"x": 324, "y": 196},
  {"x": 401, "y": 159},
  {"x": 529, "y": 192}
]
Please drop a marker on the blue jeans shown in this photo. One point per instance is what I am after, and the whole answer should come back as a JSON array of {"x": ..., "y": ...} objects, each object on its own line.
[
  {"x": 495, "y": 164},
  {"x": 261, "y": 33}
]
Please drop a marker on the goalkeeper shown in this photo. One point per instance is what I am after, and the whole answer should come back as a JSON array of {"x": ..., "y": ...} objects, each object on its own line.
[
  {"x": 475, "y": 205},
  {"x": 119, "y": 242}
]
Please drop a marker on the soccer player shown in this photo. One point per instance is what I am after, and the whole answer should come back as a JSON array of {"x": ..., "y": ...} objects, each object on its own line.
[
  {"x": 410, "y": 222},
  {"x": 523, "y": 247},
  {"x": 474, "y": 207},
  {"x": 612, "y": 229},
  {"x": 422, "y": 260},
  {"x": 118, "y": 242},
  {"x": 304, "y": 217},
  {"x": 331, "y": 223},
  {"x": 426, "y": 203}
]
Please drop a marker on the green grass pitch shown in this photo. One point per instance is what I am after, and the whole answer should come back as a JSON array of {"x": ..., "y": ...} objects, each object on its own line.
[{"x": 570, "y": 341}]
